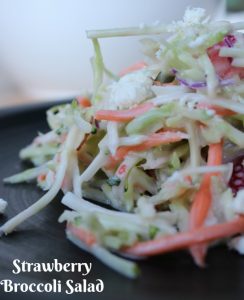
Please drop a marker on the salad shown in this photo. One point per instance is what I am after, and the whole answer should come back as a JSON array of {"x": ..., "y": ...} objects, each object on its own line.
[{"x": 152, "y": 161}]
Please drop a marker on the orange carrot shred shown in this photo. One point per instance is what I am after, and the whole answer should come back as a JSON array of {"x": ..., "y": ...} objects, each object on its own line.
[
  {"x": 184, "y": 240},
  {"x": 153, "y": 140},
  {"x": 84, "y": 101},
  {"x": 202, "y": 201},
  {"x": 135, "y": 67},
  {"x": 218, "y": 110},
  {"x": 125, "y": 115},
  {"x": 82, "y": 234}
]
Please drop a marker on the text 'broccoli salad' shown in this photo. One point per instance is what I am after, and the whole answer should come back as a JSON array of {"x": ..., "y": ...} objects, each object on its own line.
[{"x": 160, "y": 147}]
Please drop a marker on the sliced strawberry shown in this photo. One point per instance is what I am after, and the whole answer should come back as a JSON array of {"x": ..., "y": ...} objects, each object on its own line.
[
  {"x": 222, "y": 65},
  {"x": 236, "y": 182}
]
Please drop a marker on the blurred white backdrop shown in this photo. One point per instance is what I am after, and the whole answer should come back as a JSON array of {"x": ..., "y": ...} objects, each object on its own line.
[{"x": 44, "y": 53}]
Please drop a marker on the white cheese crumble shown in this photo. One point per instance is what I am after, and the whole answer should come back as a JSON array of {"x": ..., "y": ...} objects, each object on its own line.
[
  {"x": 131, "y": 89},
  {"x": 194, "y": 15},
  {"x": 191, "y": 17},
  {"x": 3, "y": 205}
]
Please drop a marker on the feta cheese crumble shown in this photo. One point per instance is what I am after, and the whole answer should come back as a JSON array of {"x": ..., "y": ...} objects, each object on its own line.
[
  {"x": 192, "y": 16},
  {"x": 131, "y": 89}
]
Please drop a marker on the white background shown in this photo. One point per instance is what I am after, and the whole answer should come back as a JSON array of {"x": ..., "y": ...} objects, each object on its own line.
[{"x": 44, "y": 52}]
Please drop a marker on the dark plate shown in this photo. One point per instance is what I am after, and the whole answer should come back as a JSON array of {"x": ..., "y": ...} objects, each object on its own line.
[{"x": 41, "y": 238}]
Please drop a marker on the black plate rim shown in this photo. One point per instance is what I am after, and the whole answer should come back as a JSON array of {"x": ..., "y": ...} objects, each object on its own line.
[{"x": 29, "y": 107}]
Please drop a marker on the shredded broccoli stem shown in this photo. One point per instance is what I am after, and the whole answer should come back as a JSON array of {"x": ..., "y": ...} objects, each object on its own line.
[
  {"x": 123, "y": 32},
  {"x": 212, "y": 80},
  {"x": 123, "y": 266},
  {"x": 98, "y": 68},
  {"x": 26, "y": 175},
  {"x": 11, "y": 224},
  {"x": 96, "y": 164},
  {"x": 192, "y": 131}
]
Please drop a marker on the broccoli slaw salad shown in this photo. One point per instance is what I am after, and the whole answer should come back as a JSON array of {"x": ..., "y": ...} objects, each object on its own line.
[{"x": 152, "y": 161}]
